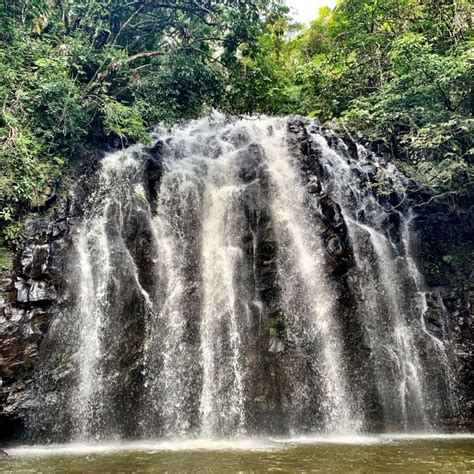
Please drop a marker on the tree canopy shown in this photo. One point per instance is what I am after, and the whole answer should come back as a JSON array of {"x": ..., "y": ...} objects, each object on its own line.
[
  {"x": 395, "y": 72},
  {"x": 78, "y": 73}
]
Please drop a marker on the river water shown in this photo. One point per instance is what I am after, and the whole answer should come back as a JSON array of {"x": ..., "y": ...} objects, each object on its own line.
[{"x": 386, "y": 453}]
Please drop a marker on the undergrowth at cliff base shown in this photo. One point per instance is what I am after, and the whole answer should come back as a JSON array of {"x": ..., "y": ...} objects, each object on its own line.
[{"x": 5, "y": 256}]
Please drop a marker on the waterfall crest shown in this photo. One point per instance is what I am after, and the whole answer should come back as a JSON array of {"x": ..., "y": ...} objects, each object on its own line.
[{"x": 242, "y": 278}]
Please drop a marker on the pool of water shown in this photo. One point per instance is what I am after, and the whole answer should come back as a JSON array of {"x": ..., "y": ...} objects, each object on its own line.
[{"x": 388, "y": 453}]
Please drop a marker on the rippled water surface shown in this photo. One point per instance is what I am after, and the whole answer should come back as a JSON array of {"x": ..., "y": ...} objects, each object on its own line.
[{"x": 341, "y": 454}]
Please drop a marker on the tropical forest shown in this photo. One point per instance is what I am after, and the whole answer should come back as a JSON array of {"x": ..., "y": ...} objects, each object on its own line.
[{"x": 236, "y": 236}]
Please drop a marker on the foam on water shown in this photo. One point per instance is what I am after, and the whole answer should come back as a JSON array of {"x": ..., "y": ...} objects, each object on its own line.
[{"x": 225, "y": 445}]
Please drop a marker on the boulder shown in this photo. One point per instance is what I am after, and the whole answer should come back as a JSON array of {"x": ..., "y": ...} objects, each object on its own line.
[{"x": 42, "y": 291}]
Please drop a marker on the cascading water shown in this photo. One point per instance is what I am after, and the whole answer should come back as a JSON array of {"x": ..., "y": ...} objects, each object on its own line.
[
  {"x": 393, "y": 302},
  {"x": 106, "y": 268},
  {"x": 307, "y": 299},
  {"x": 170, "y": 354},
  {"x": 208, "y": 301}
]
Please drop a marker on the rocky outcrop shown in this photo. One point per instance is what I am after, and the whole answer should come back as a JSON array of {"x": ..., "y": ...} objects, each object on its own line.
[
  {"x": 26, "y": 308},
  {"x": 450, "y": 315},
  {"x": 33, "y": 290},
  {"x": 444, "y": 224}
]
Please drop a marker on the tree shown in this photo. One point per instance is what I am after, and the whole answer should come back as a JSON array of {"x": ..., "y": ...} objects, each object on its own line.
[{"x": 77, "y": 73}]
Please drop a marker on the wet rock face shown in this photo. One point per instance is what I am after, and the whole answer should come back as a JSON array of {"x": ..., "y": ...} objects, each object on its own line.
[
  {"x": 26, "y": 308},
  {"x": 450, "y": 313},
  {"x": 326, "y": 212},
  {"x": 33, "y": 292},
  {"x": 265, "y": 361},
  {"x": 330, "y": 224}
]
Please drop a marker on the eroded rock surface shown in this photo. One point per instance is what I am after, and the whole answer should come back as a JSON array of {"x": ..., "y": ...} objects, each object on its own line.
[{"x": 30, "y": 293}]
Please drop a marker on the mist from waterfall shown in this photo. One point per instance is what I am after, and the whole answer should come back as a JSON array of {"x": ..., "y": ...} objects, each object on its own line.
[{"x": 205, "y": 304}]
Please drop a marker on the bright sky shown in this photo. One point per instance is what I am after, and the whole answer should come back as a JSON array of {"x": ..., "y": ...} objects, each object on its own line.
[{"x": 307, "y": 10}]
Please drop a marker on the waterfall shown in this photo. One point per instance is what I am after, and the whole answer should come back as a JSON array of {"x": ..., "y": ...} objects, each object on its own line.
[
  {"x": 106, "y": 268},
  {"x": 218, "y": 297},
  {"x": 169, "y": 355}
]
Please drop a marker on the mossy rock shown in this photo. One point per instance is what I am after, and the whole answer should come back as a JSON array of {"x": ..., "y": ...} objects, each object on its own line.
[{"x": 5, "y": 258}]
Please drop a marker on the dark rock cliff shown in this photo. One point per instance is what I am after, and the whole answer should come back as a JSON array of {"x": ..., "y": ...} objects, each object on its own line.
[
  {"x": 35, "y": 289},
  {"x": 31, "y": 294}
]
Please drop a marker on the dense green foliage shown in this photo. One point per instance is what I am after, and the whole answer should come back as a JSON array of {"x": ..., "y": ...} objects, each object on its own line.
[
  {"x": 396, "y": 72},
  {"x": 75, "y": 73}
]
